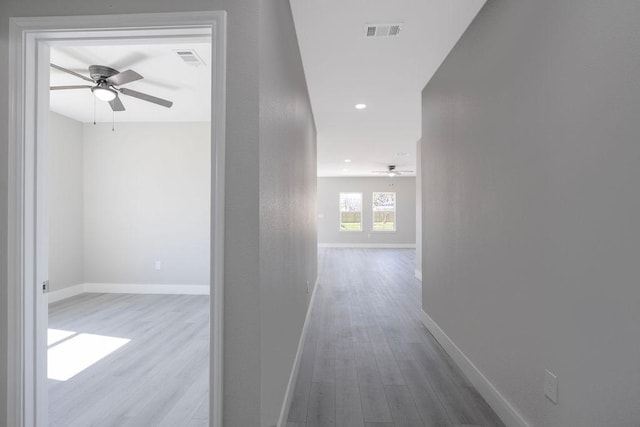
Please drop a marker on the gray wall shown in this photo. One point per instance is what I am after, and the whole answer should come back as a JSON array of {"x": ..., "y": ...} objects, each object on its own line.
[
  {"x": 419, "y": 209},
  {"x": 530, "y": 182},
  {"x": 146, "y": 198},
  {"x": 242, "y": 223},
  {"x": 121, "y": 200},
  {"x": 329, "y": 190},
  {"x": 288, "y": 242},
  {"x": 66, "y": 203}
]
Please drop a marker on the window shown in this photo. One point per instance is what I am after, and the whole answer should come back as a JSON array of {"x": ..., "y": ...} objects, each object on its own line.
[
  {"x": 384, "y": 211},
  {"x": 350, "y": 211}
]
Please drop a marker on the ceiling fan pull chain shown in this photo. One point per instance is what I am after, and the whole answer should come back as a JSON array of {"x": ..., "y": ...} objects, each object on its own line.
[
  {"x": 113, "y": 121},
  {"x": 94, "y": 110}
]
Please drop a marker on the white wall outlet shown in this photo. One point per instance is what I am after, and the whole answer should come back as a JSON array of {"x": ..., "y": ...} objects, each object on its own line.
[
  {"x": 158, "y": 265},
  {"x": 551, "y": 386}
]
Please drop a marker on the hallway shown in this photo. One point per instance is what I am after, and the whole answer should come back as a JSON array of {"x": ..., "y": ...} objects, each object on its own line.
[{"x": 368, "y": 360}]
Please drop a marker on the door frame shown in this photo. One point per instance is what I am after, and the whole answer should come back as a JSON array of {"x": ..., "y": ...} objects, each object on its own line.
[{"x": 29, "y": 42}]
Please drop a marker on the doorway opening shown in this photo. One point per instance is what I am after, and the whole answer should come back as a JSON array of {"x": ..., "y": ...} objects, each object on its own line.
[
  {"x": 34, "y": 42},
  {"x": 129, "y": 215}
]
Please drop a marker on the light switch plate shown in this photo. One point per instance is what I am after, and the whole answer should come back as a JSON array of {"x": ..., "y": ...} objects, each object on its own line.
[{"x": 551, "y": 386}]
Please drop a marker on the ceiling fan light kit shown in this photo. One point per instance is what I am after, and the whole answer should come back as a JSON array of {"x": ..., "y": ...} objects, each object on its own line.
[{"x": 103, "y": 92}]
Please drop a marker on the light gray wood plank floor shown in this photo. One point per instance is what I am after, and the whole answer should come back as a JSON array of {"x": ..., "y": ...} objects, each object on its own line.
[
  {"x": 368, "y": 360},
  {"x": 159, "y": 378}
]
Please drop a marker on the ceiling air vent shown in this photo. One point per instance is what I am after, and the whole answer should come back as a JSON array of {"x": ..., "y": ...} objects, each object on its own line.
[
  {"x": 189, "y": 56},
  {"x": 382, "y": 30}
]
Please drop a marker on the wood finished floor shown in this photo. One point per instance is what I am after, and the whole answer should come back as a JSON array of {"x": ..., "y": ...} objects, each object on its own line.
[
  {"x": 368, "y": 360},
  {"x": 159, "y": 378}
]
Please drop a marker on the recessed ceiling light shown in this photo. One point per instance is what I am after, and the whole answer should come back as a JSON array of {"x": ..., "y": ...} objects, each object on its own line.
[
  {"x": 345, "y": 170},
  {"x": 347, "y": 160},
  {"x": 361, "y": 106}
]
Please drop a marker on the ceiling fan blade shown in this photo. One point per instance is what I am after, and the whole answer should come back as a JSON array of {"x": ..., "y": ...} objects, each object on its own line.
[
  {"x": 146, "y": 97},
  {"x": 73, "y": 73},
  {"x": 70, "y": 87},
  {"x": 124, "y": 78},
  {"x": 116, "y": 104}
]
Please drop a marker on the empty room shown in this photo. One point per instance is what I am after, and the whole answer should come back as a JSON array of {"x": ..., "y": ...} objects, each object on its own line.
[{"x": 129, "y": 234}]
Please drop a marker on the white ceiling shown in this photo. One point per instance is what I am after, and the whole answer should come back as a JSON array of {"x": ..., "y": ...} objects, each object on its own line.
[
  {"x": 165, "y": 74},
  {"x": 344, "y": 68}
]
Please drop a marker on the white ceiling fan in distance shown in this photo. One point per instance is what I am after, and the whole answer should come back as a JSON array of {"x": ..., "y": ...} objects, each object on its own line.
[{"x": 392, "y": 171}]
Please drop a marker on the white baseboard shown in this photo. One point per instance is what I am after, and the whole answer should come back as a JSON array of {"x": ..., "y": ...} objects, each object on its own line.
[
  {"x": 288, "y": 395},
  {"x": 369, "y": 245},
  {"x": 132, "y": 288},
  {"x": 418, "y": 274},
  {"x": 59, "y": 295},
  {"x": 124, "y": 288},
  {"x": 497, "y": 401}
]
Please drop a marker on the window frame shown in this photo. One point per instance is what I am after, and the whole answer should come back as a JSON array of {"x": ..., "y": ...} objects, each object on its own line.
[
  {"x": 395, "y": 212},
  {"x": 340, "y": 212}
]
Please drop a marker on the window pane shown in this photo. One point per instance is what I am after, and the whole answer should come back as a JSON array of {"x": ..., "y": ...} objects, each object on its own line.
[
  {"x": 384, "y": 211},
  {"x": 351, "y": 211}
]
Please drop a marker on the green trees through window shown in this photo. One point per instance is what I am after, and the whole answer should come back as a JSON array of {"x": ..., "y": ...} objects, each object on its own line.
[
  {"x": 384, "y": 211},
  {"x": 351, "y": 211}
]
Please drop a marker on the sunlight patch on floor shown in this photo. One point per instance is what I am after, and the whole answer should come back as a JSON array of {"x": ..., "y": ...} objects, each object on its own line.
[
  {"x": 71, "y": 353},
  {"x": 57, "y": 335}
]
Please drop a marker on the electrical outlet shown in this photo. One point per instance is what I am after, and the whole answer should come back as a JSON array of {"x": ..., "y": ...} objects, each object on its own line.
[
  {"x": 158, "y": 265},
  {"x": 551, "y": 386}
]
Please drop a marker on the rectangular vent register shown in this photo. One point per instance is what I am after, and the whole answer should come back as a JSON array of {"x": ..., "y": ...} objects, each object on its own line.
[
  {"x": 382, "y": 30},
  {"x": 190, "y": 56}
]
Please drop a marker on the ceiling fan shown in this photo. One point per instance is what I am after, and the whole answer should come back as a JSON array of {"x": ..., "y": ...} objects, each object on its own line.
[
  {"x": 392, "y": 171},
  {"x": 104, "y": 85}
]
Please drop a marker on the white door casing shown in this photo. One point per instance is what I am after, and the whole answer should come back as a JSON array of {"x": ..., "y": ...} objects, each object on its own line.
[{"x": 30, "y": 39}]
